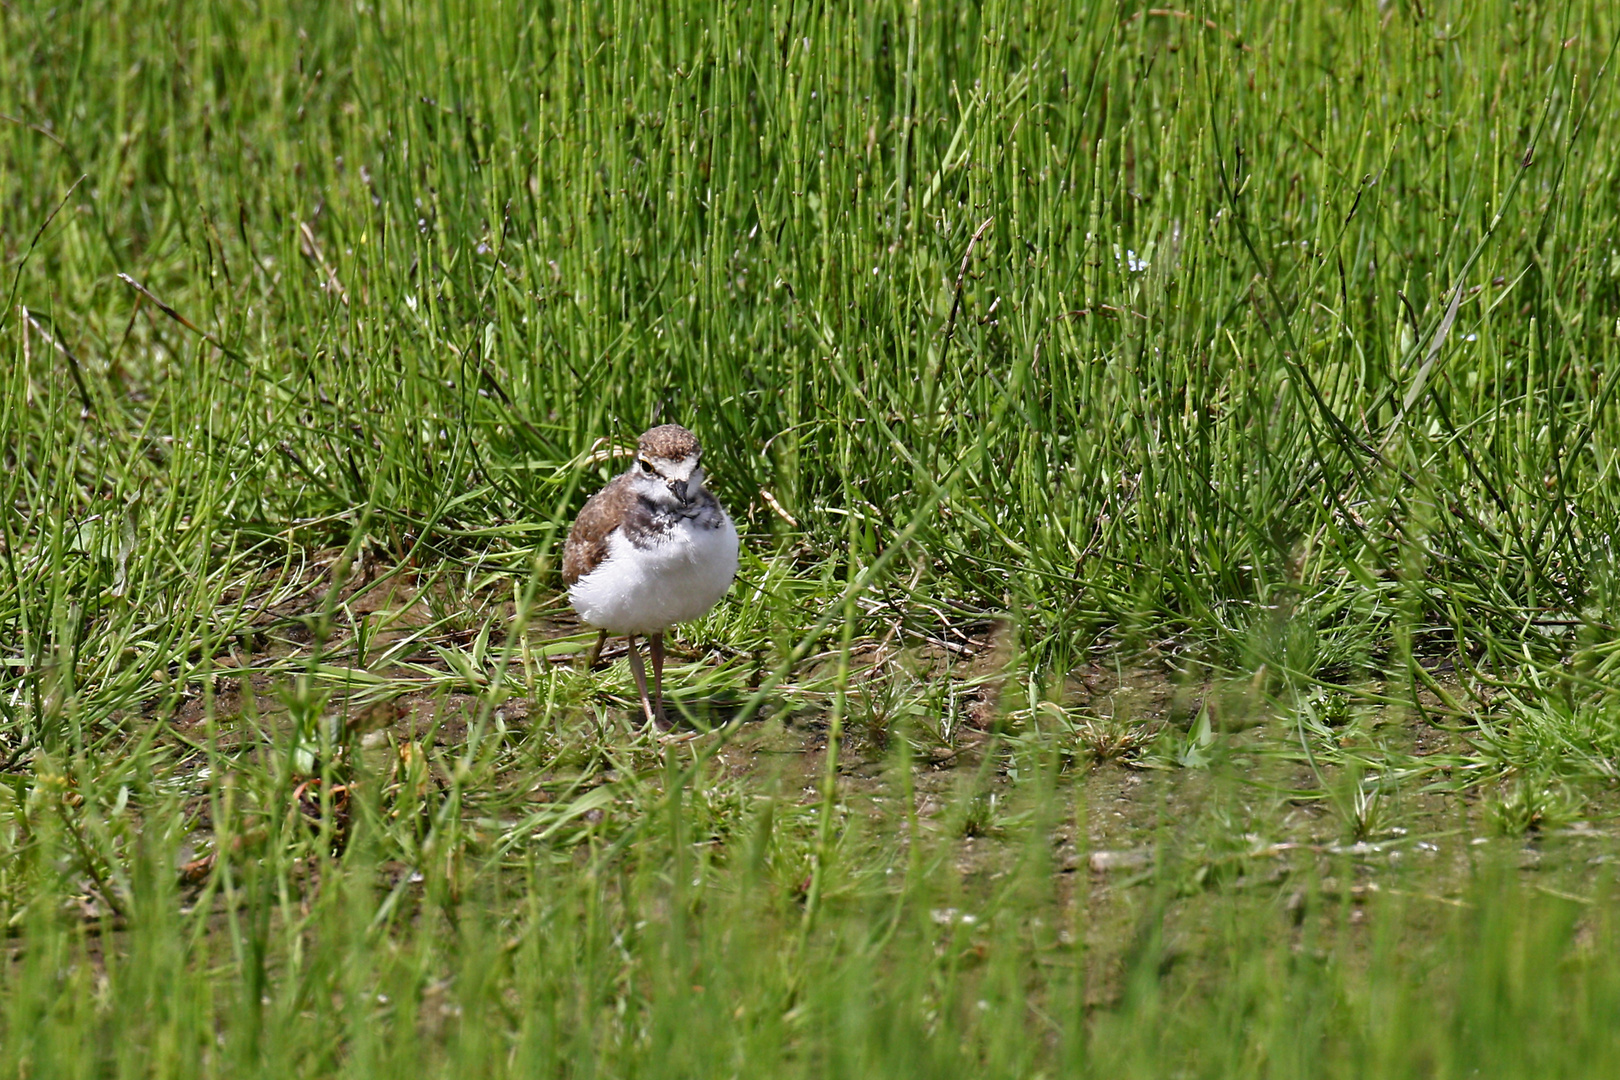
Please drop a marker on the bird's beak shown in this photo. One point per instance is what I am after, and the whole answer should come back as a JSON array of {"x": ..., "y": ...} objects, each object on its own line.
[{"x": 679, "y": 488}]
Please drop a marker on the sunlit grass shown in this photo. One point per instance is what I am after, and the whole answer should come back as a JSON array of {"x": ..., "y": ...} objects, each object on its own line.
[{"x": 1226, "y": 395}]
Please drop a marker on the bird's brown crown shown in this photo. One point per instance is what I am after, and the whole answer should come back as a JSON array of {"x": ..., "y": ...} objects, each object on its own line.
[{"x": 669, "y": 441}]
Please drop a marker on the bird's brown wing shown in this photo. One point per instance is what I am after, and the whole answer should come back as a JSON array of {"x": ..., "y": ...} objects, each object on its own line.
[{"x": 587, "y": 542}]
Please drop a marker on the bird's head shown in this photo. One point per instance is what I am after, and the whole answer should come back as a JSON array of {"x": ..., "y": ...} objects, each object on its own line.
[{"x": 667, "y": 472}]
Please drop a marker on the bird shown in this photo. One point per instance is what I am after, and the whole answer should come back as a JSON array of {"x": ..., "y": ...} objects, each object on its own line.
[{"x": 651, "y": 549}]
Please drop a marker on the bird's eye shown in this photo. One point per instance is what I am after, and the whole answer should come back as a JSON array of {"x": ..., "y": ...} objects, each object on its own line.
[{"x": 646, "y": 466}]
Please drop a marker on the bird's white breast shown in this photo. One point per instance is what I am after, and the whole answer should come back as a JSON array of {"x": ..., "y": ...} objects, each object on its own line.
[{"x": 676, "y": 578}]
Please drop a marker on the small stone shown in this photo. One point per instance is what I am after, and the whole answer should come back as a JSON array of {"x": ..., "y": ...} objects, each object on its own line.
[{"x": 1104, "y": 862}]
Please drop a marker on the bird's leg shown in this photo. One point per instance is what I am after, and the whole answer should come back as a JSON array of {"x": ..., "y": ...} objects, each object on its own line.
[
  {"x": 594, "y": 653},
  {"x": 656, "y": 647},
  {"x": 640, "y": 673}
]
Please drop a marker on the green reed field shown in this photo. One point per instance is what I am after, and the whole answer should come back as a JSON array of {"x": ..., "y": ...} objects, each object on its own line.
[{"x": 1177, "y": 452}]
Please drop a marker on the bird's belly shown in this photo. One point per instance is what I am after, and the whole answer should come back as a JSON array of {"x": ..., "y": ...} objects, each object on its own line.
[{"x": 643, "y": 590}]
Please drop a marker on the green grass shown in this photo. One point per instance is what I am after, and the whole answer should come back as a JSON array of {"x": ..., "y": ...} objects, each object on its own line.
[{"x": 1223, "y": 395}]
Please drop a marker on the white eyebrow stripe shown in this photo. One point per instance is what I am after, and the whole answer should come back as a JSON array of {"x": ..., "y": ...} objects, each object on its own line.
[{"x": 676, "y": 469}]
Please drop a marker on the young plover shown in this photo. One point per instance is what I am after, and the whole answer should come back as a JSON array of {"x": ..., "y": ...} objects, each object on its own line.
[{"x": 652, "y": 549}]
